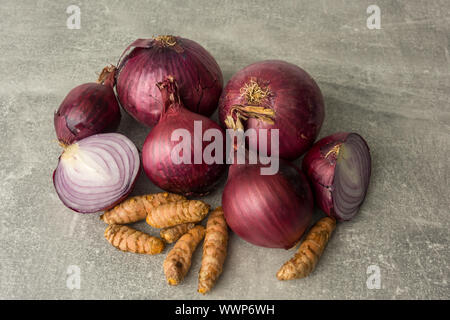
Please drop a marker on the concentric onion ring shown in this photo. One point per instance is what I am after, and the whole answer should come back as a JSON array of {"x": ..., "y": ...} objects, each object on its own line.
[{"x": 97, "y": 172}]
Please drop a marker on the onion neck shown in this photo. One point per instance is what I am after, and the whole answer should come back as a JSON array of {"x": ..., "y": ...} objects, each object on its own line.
[
  {"x": 107, "y": 76},
  {"x": 239, "y": 113},
  {"x": 166, "y": 41},
  {"x": 333, "y": 154},
  {"x": 169, "y": 42},
  {"x": 255, "y": 97},
  {"x": 255, "y": 93},
  {"x": 169, "y": 94},
  {"x": 69, "y": 150},
  {"x": 334, "y": 151}
]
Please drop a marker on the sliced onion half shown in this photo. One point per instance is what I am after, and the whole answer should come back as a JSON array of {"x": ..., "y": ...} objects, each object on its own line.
[
  {"x": 351, "y": 177},
  {"x": 339, "y": 168},
  {"x": 97, "y": 172}
]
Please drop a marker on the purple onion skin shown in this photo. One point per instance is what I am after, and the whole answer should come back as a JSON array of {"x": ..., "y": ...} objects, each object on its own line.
[
  {"x": 319, "y": 165},
  {"x": 186, "y": 179},
  {"x": 88, "y": 109},
  {"x": 198, "y": 75},
  {"x": 295, "y": 98},
  {"x": 271, "y": 211}
]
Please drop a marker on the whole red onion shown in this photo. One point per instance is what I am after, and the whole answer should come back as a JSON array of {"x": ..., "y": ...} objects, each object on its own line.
[
  {"x": 274, "y": 94},
  {"x": 339, "y": 168},
  {"x": 267, "y": 210},
  {"x": 195, "y": 177},
  {"x": 198, "y": 75},
  {"x": 88, "y": 109},
  {"x": 97, "y": 172}
]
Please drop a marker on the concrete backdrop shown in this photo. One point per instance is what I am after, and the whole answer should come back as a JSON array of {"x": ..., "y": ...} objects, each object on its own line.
[{"x": 390, "y": 85}]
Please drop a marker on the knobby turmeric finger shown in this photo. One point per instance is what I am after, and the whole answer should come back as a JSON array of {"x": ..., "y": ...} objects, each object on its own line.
[
  {"x": 171, "y": 214},
  {"x": 214, "y": 250},
  {"x": 178, "y": 260},
  {"x": 309, "y": 252},
  {"x": 174, "y": 233},
  {"x": 128, "y": 239},
  {"x": 136, "y": 208}
]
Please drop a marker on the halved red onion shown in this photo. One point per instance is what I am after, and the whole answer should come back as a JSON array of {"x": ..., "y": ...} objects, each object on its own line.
[
  {"x": 97, "y": 172},
  {"x": 339, "y": 168}
]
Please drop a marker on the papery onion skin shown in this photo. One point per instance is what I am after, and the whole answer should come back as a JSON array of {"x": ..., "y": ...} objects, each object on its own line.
[
  {"x": 198, "y": 75},
  {"x": 187, "y": 179},
  {"x": 115, "y": 154},
  {"x": 271, "y": 211},
  {"x": 87, "y": 109},
  {"x": 320, "y": 165},
  {"x": 293, "y": 95}
]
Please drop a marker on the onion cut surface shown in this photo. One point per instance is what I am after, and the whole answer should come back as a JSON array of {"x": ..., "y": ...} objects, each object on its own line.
[
  {"x": 339, "y": 168},
  {"x": 97, "y": 172}
]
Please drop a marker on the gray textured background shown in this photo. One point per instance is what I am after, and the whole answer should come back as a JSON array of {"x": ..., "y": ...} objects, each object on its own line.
[{"x": 390, "y": 85}]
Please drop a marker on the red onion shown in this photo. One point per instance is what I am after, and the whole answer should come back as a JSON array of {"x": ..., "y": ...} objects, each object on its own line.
[
  {"x": 339, "y": 168},
  {"x": 194, "y": 177},
  {"x": 274, "y": 94},
  {"x": 96, "y": 173},
  {"x": 198, "y": 75},
  {"x": 88, "y": 109},
  {"x": 267, "y": 210}
]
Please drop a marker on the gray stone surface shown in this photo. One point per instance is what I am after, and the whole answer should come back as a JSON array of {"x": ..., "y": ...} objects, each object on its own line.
[{"x": 390, "y": 85}]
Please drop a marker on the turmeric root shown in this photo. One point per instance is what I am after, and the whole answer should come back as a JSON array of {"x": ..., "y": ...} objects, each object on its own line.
[
  {"x": 214, "y": 251},
  {"x": 309, "y": 252},
  {"x": 171, "y": 214},
  {"x": 178, "y": 260},
  {"x": 128, "y": 239},
  {"x": 136, "y": 208},
  {"x": 174, "y": 233}
]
